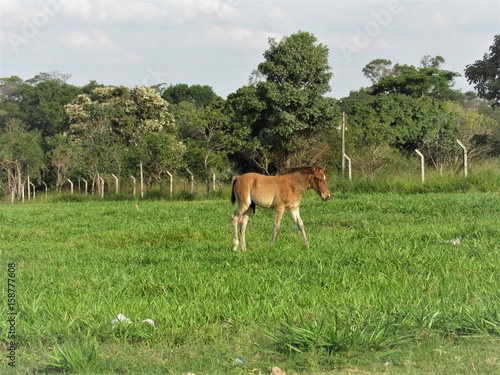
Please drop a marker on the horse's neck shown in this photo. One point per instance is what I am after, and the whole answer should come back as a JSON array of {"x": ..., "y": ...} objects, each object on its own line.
[{"x": 303, "y": 182}]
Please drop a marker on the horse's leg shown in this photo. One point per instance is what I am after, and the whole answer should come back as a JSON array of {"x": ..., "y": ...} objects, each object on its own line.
[
  {"x": 243, "y": 228},
  {"x": 235, "y": 218},
  {"x": 239, "y": 221},
  {"x": 296, "y": 217},
  {"x": 277, "y": 219}
]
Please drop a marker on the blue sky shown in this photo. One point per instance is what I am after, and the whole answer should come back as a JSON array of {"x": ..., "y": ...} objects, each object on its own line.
[{"x": 220, "y": 42}]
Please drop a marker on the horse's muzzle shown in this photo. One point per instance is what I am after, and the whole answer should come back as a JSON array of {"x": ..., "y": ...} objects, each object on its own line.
[{"x": 325, "y": 197}]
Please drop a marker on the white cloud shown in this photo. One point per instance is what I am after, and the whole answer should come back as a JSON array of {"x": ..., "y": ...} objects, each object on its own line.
[
  {"x": 220, "y": 9},
  {"x": 16, "y": 14},
  {"x": 277, "y": 18},
  {"x": 382, "y": 45},
  {"x": 154, "y": 12},
  {"x": 82, "y": 9},
  {"x": 236, "y": 38},
  {"x": 129, "y": 58},
  {"x": 94, "y": 39}
]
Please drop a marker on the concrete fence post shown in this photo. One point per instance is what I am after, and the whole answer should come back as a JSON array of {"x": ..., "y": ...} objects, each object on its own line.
[
  {"x": 349, "y": 166},
  {"x": 171, "y": 183},
  {"x": 117, "y": 183},
  {"x": 191, "y": 178},
  {"x": 422, "y": 162},
  {"x": 133, "y": 185},
  {"x": 71, "y": 183},
  {"x": 465, "y": 157}
]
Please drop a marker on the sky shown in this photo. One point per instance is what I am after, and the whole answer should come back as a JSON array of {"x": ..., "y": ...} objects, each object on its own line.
[{"x": 220, "y": 42}]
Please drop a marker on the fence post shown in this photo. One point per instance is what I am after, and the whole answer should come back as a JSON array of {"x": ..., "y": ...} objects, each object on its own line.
[
  {"x": 191, "y": 178},
  {"x": 171, "y": 183},
  {"x": 117, "y": 183},
  {"x": 86, "y": 185},
  {"x": 343, "y": 144},
  {"x": 71, "y": 183},
  {"x": 29, "y": 188},
  {"x": 142, "y": 182},
  {"x": 34, "y": 192},
  {"x": 46, "y": 188},
  {"x": 133, "y": 185},
  {"x": 100, "y": 183},
  {"x": 464, "y": 156},
  {"x": 422, "y": 161},
  {"x": 348, "y": 166}
]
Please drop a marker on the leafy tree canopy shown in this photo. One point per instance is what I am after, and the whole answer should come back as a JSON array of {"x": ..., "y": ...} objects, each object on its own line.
[
  {"x": 49, "y": 76},
  {"x": 42, "y": 105},
  {"x": 427, "y": 80},
  {"x": 377, "y": 69},
  {"x": 290, "y": 85},
  {"x": 10, "y": 96},
  {"x": 485, "y": 74},
  {"x": 398, "y": 120},
  {"x": 199, "y": 95}
]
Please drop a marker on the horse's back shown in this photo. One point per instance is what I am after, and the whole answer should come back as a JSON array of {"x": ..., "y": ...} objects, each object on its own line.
[{"x": 257, "y": 188}]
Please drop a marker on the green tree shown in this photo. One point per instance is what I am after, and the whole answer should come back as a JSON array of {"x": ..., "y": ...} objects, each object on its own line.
[
  {"x": 417, "y": 82},
  {"x": 42, "y": 105},
  {"x": 432, "y": 62},
  {"x": 206, "y": 132},
  {"x": 21, "y": 155},
  {"x": 379, "y": 125},
  {"x": 484, "y": 74},
  {"x": 64, "y": 157},
  {"x": 10, "y": 96},
  {"x": 55, "y": 76},
  {"x": 248, "y": 152},
  {"x": 473, "y": 128},
  {"x": 160, "y": 152},
  {"x": 427, "y": 80},
  {"x": 199, "y": 95},
  {"x": 216, "y": 141},
  {"x": 376, "y": 69},
  {"x": 291, "y": 84},
  {"x": 369, "y": 136}
]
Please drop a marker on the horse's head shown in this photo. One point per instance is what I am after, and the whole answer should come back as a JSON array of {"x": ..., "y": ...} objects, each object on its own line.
[{"x": 318, "y": 183}]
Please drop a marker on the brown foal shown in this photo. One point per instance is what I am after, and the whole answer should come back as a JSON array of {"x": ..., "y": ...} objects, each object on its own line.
[{"x": 283, "y": 192}]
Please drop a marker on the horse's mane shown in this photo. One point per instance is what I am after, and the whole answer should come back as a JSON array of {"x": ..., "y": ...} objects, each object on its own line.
[{"x": 298, "y": 169}]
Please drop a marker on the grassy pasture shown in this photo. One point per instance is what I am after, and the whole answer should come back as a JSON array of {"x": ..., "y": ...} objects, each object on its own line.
[{"x": 391, "y": 284}]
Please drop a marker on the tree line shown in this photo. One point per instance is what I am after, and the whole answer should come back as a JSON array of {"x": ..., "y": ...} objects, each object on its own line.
[{"x": 52, "y": 131}]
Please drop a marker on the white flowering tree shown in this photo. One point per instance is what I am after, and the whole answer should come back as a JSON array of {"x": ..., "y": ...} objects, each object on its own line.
[{"x": 116, "y": 128}]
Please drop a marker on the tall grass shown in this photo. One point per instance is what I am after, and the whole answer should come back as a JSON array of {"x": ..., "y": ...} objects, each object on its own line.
[
  {"x": 384, "y": 272},
  {"x": 406, "y": 179}
]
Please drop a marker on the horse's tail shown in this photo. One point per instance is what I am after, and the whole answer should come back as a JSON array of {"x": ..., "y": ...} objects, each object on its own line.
[{"x": 233, "y": 196}]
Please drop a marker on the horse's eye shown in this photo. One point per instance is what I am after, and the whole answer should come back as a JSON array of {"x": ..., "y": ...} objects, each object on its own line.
[{"x": 319, "y": 180}]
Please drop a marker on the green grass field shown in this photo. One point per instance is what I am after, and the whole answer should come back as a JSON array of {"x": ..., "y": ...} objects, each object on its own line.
[{"x": 398, "y": 284}]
